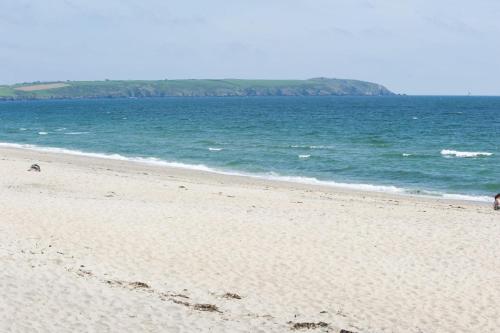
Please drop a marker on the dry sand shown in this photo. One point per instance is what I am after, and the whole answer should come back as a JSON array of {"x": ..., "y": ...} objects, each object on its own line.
[{"x": 94, "y": 245}]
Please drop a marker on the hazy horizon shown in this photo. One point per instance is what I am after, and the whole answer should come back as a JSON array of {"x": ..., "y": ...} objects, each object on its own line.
[{"x": 416, "y": 47}]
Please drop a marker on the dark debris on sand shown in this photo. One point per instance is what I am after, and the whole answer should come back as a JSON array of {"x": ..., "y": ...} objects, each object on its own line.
[
  {"x": 308, "y": 326},
  {"x": 82, "y": 272},
  {"x": 231, "y": 296},
  {"x": 176, "y": 301},
  {"x": 206, "y": 307},
  {"x": 139, "y": 284},
  {"x": 114, "y": 282}
]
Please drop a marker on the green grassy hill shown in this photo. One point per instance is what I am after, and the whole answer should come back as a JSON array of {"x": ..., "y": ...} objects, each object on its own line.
[{"x": 165, "y": 88}]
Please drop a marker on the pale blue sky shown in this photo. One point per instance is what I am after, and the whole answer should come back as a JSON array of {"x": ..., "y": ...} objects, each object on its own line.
[{"x": 410, "y": 46}]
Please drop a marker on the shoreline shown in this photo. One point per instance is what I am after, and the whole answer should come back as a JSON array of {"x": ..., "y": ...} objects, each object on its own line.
[
  {"x": 93, "y": 244},
  {"x": 365, "y": 189}
]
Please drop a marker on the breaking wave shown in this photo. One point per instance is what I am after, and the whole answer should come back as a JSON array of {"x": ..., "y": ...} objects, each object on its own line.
[{"x": 456, "y": 153}]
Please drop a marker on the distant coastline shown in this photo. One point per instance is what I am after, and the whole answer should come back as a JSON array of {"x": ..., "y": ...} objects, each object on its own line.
[{"x": 190, "y": 88}]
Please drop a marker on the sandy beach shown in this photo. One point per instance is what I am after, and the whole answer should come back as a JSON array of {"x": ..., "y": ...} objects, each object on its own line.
[{"x": 96, "y": 245}]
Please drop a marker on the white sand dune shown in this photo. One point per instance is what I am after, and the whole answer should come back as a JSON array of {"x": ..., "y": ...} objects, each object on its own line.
[{"x": 94, "y": 245}]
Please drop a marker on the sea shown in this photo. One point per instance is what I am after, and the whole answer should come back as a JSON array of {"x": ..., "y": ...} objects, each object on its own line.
[{"x": 435, "y": 146}]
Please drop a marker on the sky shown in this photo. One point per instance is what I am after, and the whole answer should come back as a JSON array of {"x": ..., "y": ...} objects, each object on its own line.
[{"x": 437, "y": 47}]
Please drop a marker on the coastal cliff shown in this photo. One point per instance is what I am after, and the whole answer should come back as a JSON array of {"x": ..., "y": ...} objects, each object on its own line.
[{"x": 194, "y": 88}]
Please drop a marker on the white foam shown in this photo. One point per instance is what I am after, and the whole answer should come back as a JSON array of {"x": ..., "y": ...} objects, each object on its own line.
[
  {"x": 464, "y": 197},
  {"x": 311, "y": 147},
  {"x": 406, "y": 154},
  {"x": 43, "y": 133},
  {"x": 146, "y": 160},
  {"x": 321, "y": 147},
  {"x": 269, "y": 176},
  {"x": 304, "y": 156},
  {"x": 23, "y": 129},
  {"x": 76, "y": 133},
  {"x": 456, "y": 153},
  {"x": 215, "y": 149},
  {"x": 315, "y": 181}
]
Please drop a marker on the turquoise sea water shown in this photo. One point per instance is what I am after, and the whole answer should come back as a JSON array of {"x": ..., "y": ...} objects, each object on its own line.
[{"x": 420, "y": 145}]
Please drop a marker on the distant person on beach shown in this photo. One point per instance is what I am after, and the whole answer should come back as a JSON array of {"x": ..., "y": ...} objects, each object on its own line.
[{"x": 496, "y": 204}]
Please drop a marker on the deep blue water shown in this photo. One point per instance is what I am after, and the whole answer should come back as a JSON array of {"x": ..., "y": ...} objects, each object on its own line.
[{"x": 424, "y": 145}]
